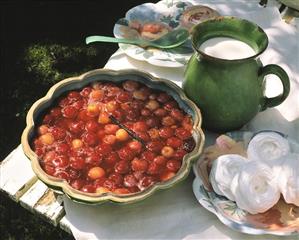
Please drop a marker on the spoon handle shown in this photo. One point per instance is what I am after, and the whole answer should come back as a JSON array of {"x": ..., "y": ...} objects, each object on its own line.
[{"x": 92, "y": 39}]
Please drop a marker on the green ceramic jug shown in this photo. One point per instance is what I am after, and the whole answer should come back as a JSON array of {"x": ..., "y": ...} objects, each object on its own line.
[{"x": 230, "y": 92}]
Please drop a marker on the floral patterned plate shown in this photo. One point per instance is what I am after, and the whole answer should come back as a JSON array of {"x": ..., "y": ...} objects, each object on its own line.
[
  {"x": 167, "y": 15},
  {"x": 282, "y": 219}
]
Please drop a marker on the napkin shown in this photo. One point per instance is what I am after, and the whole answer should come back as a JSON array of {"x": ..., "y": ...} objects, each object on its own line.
[{"x": 175, "y": 213}]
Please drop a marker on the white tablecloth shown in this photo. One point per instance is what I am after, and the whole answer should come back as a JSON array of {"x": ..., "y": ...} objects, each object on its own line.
[{"x": 175, "y": 213}]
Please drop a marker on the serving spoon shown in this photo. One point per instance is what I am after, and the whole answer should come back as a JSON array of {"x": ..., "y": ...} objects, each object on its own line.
[{"x": 170, "y": 40}]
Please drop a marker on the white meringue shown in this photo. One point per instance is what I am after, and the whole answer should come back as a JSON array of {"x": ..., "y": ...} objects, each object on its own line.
[
  {"x": 223, "y": 170},
  {"x": 255, "y": 188},
  {"x": 269, "y": 147},
  {"x": 289, "y": 179}
]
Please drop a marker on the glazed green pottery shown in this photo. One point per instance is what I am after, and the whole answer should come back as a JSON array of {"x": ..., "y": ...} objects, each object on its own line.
[{"x": 230, "y": 92}]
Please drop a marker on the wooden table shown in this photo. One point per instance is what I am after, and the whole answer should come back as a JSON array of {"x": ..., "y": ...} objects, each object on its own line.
[{"x": 25, "y": 188}]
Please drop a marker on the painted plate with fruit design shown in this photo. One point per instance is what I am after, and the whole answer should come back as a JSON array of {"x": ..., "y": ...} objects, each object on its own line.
[
  {"x": 151, "y": 21},
  {"x": 282, "y": 219}
]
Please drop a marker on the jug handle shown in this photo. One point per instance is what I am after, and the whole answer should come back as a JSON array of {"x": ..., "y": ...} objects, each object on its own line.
[{"x": 279, "y": 72}]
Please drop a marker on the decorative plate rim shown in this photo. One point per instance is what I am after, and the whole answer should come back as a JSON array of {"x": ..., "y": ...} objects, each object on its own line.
[
  {"x": 205, "y": 200},
  {"x": 169, "y": 61}
]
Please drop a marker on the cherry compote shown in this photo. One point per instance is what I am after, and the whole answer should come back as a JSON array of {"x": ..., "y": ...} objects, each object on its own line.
[{"x": 119, "y": 138}]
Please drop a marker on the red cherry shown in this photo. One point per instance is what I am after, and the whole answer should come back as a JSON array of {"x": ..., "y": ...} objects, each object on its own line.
[
  {"x": 189, "y": 144},
  {"x": 99, "y": 182},
  {"x": 49, "y": 157},
  {"x": 173, "y": 165},
  {"x": 137, "y": 105},
  {"x": 177, "y": 114},
  {"x": 145, "y": 112},
  {"x": 139, "y": 175},
  {"x": 155, "y": 146},
  {"x": 124, "y": 97},
  {"x": 182, "y": 133},
  {"x": 62, "y": 175},
  {"x": 113, "y": 91},
  {"x": 58, "y": 133},
  {"x": 56, "y": 112},
  {"x": 37, "y": 143},
  {"x": 88, "y": 189},
  {"x": 130, "y": 180},
  {"x": 111, "y": 159},
  {"x": 73, "y": 95},
  {"x": 163, "y": 97},
  {"x": 166, "y": 175},
  {"x": 63, "y": 123},
  {"x": 154, "y": 133},
  {"x": 94, "y": 159},
  {"x": 92, "y": 126},
  {"x": 104, "y": 149},
  {"x": 111, "y": 128},
  {"x": 174, "y": 142},
  {"x": 160, "y": 160},
  {"x": 60, "y": 162},
  {"x": 77, "y": 183},
  {"x": 122, "y": 167},
  {"x": 64, "y": 102},
  {"x": 84, "y": 116},
  {"x": 135, "y": 146},
  {"x": 86, "y": 91},
  {"x": 39, "y": 151},
  {"x": 77, "y": 127},
  {"x": 130, "y": 85},
  {"x": 121, "y": 191},
  {"x": 154, "y": 168},
  {"x": 110, "y": 184},
  {"x": 170, "y": 105},
  {"x": 179, "y": 154},
  {"x": 48, "y": 119},
  {"x": 101, "y": 133},
  {"x": 119, "y": 114},
  {"x": 148, "y": 155},
  {"x": 77, "y": 163},
  {"x": 152, "y": 122},
  {"x": 140, "y": 126},
  {"x": 74, "y": 174},
  {"x": 168, "y": 121},
  {"x": 187, "y": 123},
  {"x": 144, "y": 136},
  {"x": 109, "y": 139},
  {"x": 166, "y": 132},
  {"x": 160, "y": 112},
  {"x": 90, "y": 139},
  {"x": 126, "y": 153},
  {"x": 132, "y": 114},
  {"x": 69, "y": 112},
  {"x": 49, "y": 169},
  {"x": 146, "y": 182},
  {"x": 140, "y": 165},
  {"x": 117, "y": 178}
]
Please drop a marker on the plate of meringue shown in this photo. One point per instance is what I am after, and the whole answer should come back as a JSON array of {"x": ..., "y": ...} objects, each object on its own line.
[{"x": 255, "y": 182}]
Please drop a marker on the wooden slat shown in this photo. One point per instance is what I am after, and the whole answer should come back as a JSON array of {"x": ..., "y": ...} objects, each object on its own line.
[
  {"x": 65, "y": 225},
  {"x": 42, "y": 201},
  {"x": 16, "y": 175}
]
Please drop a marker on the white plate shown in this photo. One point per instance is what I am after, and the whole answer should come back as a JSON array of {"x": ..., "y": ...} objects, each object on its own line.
[{"x": 166, "y": 12}]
